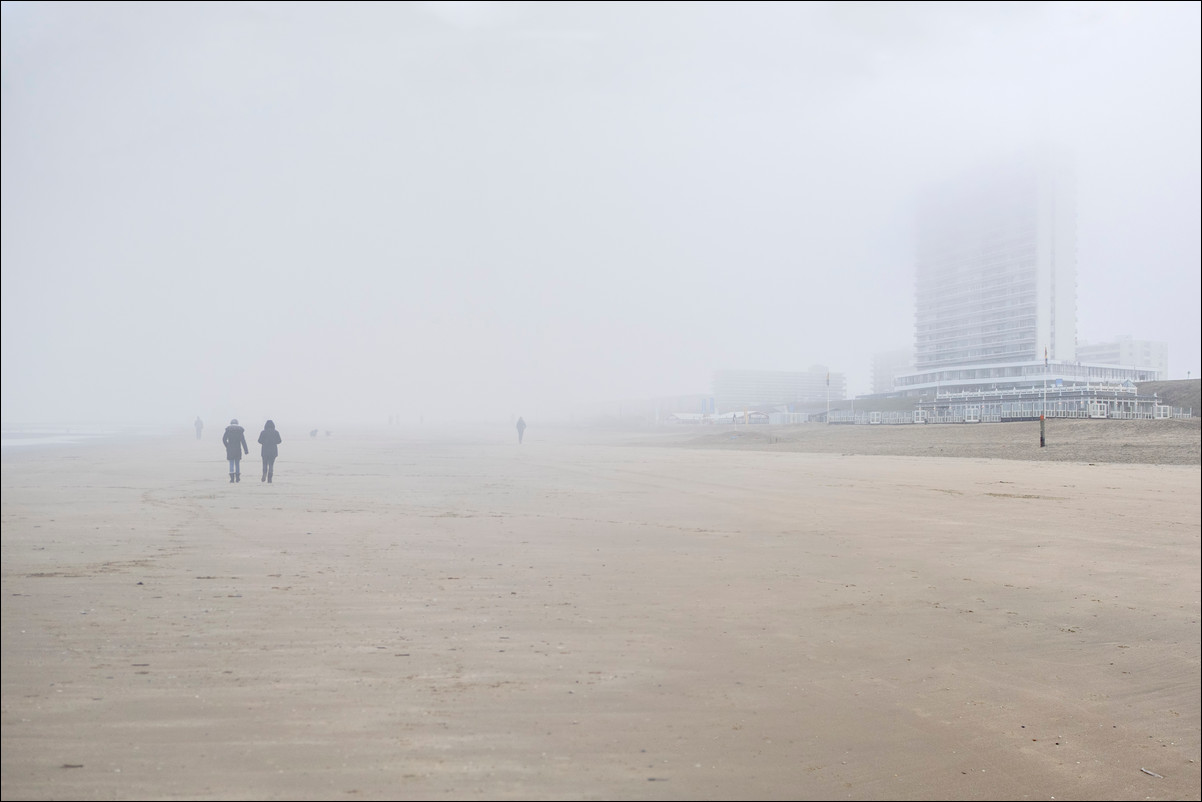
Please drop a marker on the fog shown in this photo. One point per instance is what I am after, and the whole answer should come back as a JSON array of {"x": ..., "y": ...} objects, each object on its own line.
[{"x": 337, "y": 212}]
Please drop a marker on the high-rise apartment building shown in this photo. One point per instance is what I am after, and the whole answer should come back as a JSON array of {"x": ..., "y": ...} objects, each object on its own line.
[
  {"x": 996, "y": 283},
  {"x": 887, "y": 366},
  {"x": 996, "y": 267}
]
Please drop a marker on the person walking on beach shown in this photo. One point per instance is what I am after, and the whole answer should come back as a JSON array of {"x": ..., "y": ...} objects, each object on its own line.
[
  {"x": 199, "y": 426},
  {"x": 521, "y": 430},
  {"x": 235, "y": 446},
  {"x": 270, "y": 439}
]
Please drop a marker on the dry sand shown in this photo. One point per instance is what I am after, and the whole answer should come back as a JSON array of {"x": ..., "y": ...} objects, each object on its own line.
[{"x": 587, "y": 616}]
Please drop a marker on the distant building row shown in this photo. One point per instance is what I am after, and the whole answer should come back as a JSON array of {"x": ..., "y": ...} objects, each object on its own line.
[
  {"x": 737, "y": 394},
  {"x": 792, "y": 391}
]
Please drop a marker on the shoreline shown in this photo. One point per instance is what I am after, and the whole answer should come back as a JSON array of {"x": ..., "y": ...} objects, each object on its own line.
[{"x": 1161, "y": 442}]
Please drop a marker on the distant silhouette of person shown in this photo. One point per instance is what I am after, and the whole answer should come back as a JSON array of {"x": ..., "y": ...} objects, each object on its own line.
[
  {"x": 199, "y": 426},
  {"x": 521, "y": 430},
  {"x": 270, "y": 439},
  {"x": 235, "y": 446}
]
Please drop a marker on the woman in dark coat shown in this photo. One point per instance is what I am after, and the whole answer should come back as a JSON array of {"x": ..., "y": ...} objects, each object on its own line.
[
  {"x": 270, "y": 439},
  {"x": 235, "y": 445}
]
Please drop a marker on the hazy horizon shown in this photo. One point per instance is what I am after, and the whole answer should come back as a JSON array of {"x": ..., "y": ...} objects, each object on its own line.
[{"x": 321, "y": 212}]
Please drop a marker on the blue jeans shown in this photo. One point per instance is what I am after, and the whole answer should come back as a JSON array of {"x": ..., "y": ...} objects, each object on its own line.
[{"x": 235, "y": 466}]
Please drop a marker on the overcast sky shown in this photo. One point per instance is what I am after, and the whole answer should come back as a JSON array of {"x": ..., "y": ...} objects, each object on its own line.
[{"x": 340, "y": 211}]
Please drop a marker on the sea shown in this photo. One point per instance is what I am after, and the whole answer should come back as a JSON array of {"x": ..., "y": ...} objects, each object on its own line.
[{"x": 36, "y": 435}]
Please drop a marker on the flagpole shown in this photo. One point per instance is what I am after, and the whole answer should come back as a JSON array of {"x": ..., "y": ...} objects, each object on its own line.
[
  {"x": 1044, "y": 407},
  {"x": 1044, "y": 410}
]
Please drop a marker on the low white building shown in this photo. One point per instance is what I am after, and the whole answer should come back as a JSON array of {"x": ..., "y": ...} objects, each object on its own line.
[
  {"x": 1128, "y": 352},
  {"x": 1018, "y": 376}
]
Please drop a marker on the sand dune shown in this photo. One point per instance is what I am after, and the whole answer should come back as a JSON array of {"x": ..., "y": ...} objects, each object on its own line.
[{"x": 1155, "y": 442}]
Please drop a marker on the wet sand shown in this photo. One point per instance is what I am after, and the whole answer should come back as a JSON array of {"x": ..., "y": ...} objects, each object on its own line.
[{"x": 602, "y": 616}]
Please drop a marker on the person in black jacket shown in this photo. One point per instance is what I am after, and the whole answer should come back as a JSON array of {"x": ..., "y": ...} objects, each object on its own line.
[
  {"x": 235, "y": 446},
  {"x": 270, "y": 439}
]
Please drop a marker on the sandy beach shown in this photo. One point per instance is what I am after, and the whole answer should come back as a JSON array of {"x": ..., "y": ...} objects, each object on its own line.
[{"x": 813, "y": 612}]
